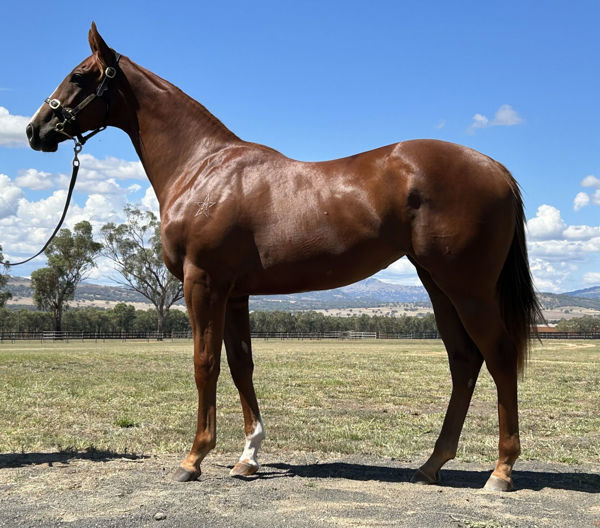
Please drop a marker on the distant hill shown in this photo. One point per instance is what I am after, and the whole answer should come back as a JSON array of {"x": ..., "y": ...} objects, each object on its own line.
[
  {"x": 588, "y": 293},
  {"x": 553, "y": 300},
  {"x": 364, "y": 294},
  {"x": 20, "y": 287}
]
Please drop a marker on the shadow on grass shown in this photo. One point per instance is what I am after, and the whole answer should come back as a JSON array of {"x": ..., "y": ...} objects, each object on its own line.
[
  {"x": 16, "y": 460},
  {"x": 453, "y": 478}
]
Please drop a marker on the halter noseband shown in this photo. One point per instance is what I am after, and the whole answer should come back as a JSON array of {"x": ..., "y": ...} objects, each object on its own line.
[{"x": 69, "y": 116}]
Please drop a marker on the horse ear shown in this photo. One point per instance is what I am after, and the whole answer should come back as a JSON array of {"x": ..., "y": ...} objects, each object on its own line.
[{"x": 99, "y": 48}]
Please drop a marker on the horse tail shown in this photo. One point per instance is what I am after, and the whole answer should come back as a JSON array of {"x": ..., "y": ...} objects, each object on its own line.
[{"x": 520, "y": 307}]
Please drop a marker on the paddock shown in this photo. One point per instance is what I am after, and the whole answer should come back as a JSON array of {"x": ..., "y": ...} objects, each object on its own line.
[
  {"x": 377, "y": 397},
  {"x": 106, "y": 421}
]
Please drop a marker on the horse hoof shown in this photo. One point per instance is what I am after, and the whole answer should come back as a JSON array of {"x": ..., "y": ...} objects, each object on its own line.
[
  {"x": 184, "y": 475},
  {"x": 243, "y": 469},
  {"x": 498, "y": 484},
  {"x": 420, "y": 477}
]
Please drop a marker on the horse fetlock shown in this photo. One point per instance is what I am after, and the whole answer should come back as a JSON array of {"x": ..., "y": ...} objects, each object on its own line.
[
  {"x": 444, "y": 455},
  {"x": 253, "y": 443},
  {"x": 509, "y": 450}
]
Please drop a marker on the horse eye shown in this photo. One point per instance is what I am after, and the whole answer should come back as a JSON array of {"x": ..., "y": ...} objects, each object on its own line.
[{"x": 77, "y": 79}]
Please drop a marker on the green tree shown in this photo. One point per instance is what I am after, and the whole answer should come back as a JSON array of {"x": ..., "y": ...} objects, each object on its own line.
[
  {"x": 135, "y": 247},
  {"x": 178, "y": 321},
  {"x": 70, "y": 258},
  {"x": 123, "y": 315},
  {"x": 4, "y": 295},
  {"x": 587, "y": 323}
]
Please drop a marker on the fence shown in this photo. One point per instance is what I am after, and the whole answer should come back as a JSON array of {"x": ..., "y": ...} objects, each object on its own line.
[
  {"x": 91, "y": 336},
  {"x": 156, "y": 336}
]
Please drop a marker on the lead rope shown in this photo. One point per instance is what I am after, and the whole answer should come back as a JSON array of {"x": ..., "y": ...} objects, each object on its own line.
[{"x": 76, "y": 149}]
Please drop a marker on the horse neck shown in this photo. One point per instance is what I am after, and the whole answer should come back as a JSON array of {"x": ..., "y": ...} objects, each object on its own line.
[{"x": 168, "y": 129}]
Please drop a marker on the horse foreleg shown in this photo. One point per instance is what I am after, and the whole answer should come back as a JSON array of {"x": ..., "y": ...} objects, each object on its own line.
[
  {"x": 206, "y": 308},
  {"x": 239, "y": 358},
  {"x": 465, "y": 363}
]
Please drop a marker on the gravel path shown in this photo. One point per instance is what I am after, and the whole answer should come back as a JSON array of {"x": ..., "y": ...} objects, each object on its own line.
[{"x": 105, "y": 490}]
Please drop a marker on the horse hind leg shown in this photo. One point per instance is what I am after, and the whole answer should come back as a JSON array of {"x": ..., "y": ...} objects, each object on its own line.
[
  {"x": 241, "y": 366},
  {"x": 465, "y": 362},
  {"x": 482, "y": 319}
]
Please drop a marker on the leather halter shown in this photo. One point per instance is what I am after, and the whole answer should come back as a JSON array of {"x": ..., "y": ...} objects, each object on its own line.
[{"x": 69, "y": 116}]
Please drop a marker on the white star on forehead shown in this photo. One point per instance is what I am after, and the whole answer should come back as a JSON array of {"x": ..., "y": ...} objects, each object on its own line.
[{"x": 204, "y": 206}]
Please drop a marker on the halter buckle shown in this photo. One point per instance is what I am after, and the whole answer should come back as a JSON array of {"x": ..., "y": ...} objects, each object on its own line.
[
  {"x": 110, "y": 72},
  {"x": 54, "y": 104}
]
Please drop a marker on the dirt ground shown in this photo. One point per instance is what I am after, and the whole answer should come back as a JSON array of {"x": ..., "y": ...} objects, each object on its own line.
[{"x": 107, "y": 489}]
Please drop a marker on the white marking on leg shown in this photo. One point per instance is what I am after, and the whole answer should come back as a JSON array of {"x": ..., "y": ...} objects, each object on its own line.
[{"x": 253, "y": 442}]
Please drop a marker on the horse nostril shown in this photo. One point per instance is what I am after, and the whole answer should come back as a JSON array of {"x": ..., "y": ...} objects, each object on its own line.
[{"x": 29, "y": 131}]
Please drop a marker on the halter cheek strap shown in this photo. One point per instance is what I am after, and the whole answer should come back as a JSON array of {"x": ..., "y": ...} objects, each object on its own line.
[{"x": 69, "y": 115}]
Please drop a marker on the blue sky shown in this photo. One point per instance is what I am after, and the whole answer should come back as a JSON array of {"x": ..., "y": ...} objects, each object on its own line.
[{"x": 518, "y": 81}]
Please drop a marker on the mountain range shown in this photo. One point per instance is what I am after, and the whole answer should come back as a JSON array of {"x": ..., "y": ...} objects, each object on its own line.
[{"x": 366, "y": 293}]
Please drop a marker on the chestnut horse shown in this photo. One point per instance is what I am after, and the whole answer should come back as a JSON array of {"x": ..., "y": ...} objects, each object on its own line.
[{"x": 241, "y": 219}]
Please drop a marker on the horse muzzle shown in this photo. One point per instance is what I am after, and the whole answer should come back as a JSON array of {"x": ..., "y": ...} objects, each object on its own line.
[{"x": 38, "y": 141}]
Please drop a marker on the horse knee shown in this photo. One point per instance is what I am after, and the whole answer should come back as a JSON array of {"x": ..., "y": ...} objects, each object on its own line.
[{"x": 206, "y": 371}]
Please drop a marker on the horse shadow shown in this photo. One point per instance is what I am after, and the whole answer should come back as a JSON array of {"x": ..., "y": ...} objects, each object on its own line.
[
  {"x": 453, "y": 478},
  {"x": 18, "y": 460}
]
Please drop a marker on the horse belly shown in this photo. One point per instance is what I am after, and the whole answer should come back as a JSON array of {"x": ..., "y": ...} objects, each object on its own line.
[{"x": 324, "y": 269}]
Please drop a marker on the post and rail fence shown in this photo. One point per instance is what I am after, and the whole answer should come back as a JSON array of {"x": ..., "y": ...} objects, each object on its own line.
[{"x": 66, "y": 336}]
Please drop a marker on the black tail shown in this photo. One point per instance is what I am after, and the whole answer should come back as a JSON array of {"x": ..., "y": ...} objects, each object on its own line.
[{"x": 520, "y": 307}]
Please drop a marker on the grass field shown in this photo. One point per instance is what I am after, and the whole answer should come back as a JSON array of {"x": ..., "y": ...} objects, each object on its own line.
[{"x": 384, "y": 398}]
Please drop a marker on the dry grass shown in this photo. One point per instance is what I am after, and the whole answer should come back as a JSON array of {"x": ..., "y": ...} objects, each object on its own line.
[{"x": 383, "y": 398}]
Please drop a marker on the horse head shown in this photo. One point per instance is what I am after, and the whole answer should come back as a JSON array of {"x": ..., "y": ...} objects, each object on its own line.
[{"x": 81, "y": 102}]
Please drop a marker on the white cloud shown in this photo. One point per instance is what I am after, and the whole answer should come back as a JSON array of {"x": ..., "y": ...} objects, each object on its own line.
[
  {"x": 9, "y": 197},
  {"x": 479, "y": 121},
  {"x": 547, "y": 224},
  {"x": 400, "y": 272},
  {"x": 12, "y": 129},
  {"x": 506, "y": 115},
  {"x": 150, "y": 202},
  {"x": 440, "y": 124},
  {"x": 592, "y": 278},
  {"x": 581, "y": 200},
  {"x": 25, "y": 225},
  {"x": 94, "y": 169},
  {"x": 581, "y": 232},
  {"x": 104, "y": 272},
  {"x": 109, "y": 186},
  {"x": 549, "y": 276},
  {"x": 34, "y": 179},
  {"x": 591, "y": 181},
  {"x": 557, "y": 249}
]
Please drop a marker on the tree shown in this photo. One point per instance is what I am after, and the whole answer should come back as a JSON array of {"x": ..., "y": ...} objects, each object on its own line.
[
  {"x": 70, "y": 258},
  {"x": 135, "y": 247},
  {"x": 123, "y": 315},
  {"x": 4, "y": 295}
]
